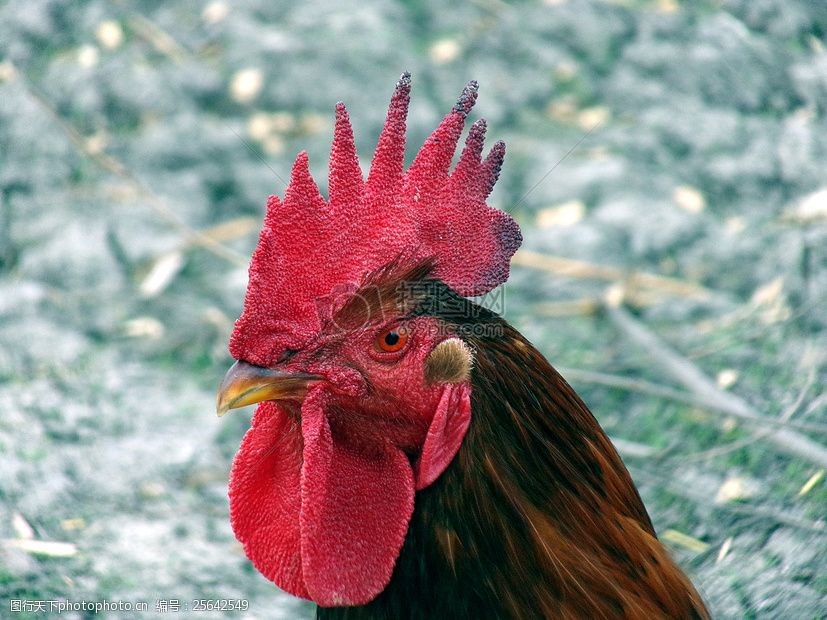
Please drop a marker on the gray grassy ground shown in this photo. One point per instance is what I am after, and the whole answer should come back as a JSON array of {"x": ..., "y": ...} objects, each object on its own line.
[{"x": 125, "y": 127}]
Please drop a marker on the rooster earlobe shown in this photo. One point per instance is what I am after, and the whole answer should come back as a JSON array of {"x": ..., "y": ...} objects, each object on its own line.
[
  {"x": 445, "y": 434},
  {"x": 449, "y": 362}
]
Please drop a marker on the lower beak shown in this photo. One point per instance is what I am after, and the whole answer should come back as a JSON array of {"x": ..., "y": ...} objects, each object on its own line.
[{"x": 245, "y": 384}]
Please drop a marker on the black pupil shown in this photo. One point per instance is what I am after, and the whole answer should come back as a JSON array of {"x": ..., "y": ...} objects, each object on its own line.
[{"x": 391, "y": 338}]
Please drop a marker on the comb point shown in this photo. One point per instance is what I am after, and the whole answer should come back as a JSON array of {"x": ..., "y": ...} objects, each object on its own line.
[
  {"x": 388, "y": 159},
  {"x": 467, "y": 99},
  {"x": 496, "y": 155},
  {"x": 404, "y": 82},
  {"x": 345, "y": 176},
  {"x": 493, "y": 164},
  {"x": 476, "y": 138},
  {"x": 467, "y": 169},
  {"x": 301, "y": 166}
]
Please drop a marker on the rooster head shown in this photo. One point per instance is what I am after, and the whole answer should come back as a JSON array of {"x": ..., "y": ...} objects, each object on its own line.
[{"x": 364, "y": 392}]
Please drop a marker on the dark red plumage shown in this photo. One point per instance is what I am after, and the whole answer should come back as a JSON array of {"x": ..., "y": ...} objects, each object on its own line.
[
  {"x": 536, "y": 517},
  {"x": 413, "y": 455}
]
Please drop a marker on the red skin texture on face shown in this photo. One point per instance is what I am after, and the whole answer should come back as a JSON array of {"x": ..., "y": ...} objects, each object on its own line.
[
  {"x": 321, "y": 494},
  {"x": 321, "y": 497}
]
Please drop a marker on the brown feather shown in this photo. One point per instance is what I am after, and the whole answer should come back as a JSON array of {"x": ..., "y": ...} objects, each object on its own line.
[{"x": 536, "y": 517}]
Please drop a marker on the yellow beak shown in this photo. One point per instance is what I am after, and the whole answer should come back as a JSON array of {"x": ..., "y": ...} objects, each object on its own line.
[{"x": 245, "y": 384}]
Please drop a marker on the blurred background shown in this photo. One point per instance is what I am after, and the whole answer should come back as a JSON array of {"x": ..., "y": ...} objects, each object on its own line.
[{"x": 667, "y": 161}]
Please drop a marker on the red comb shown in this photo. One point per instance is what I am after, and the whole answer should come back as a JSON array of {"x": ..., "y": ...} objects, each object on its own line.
[{"x": 309, "y": 247}]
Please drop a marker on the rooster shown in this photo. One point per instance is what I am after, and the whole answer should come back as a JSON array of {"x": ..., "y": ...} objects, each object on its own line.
[{"x": 412, "y": 455}]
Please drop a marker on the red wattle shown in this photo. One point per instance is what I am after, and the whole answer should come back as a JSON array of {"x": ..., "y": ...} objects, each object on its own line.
[
  {"x": 356, "y": 506},
  {"x": 265, "y": 500},
  {"x": 321, "y": 518}
]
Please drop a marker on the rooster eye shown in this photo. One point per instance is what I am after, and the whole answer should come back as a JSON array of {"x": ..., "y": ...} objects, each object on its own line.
[{"x": 392, "y": 340}]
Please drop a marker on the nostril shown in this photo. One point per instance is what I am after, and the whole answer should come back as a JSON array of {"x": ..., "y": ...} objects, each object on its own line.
[{"x": 286, "y": 355}]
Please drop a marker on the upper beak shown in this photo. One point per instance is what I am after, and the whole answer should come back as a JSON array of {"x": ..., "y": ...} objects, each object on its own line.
[{"x": 245, "y": 384}]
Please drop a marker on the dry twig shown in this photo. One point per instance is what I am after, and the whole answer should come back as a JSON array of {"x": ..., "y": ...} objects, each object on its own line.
[
  {"x": 158, "y": 38},
  {"x": 705, "y": 389},
  {"x": 633, "y": 449},
  {"x": 689, "y": 398},
  {"x": 571, "y": 268},
  {"x": 760, "y": 434},
  {"x": 568, "y": 307}
]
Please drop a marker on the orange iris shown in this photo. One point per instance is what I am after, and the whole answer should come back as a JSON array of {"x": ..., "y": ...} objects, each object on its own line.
[{"x": 392, "y": 340}]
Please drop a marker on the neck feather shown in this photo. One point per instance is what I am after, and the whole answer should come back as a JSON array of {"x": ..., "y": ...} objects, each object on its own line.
[{"x": 536, "y": 516}]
